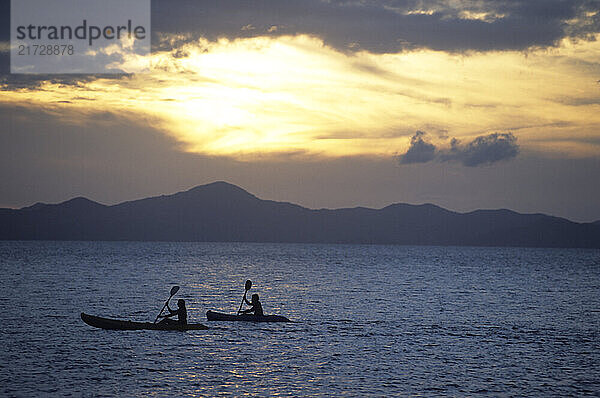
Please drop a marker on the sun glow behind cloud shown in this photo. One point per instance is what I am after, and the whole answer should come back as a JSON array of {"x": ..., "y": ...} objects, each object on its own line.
[{"x": 261, "y": 97}]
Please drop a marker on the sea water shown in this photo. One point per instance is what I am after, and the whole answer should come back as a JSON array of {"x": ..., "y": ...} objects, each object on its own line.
[{"x": 369, "y": 320}]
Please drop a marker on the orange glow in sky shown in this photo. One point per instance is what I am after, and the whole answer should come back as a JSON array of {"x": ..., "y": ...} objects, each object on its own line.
[{"x": 293, "y": 94}]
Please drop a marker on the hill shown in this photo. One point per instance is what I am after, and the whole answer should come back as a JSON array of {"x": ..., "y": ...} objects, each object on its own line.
[{"x": 225, "y": 212}]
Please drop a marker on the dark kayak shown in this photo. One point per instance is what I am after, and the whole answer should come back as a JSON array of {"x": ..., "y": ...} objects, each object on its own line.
[
  {"x": 115, "y": 324},
  {"x": 219, "y": 316}
]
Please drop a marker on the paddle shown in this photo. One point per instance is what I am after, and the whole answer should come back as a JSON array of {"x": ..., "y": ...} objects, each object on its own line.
[
  {"x": 248, "y": 286},
  {"x": 174, "y": 290}
]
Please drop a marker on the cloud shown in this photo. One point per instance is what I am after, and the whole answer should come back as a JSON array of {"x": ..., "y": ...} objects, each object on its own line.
[
  {"x": 419, "y": 151},
  {"x": 383, "y": 26},
  {"x": 579, "y": 101},
  {"x": 262, "y": 96},
  {"x": 378, "y": 26},
  {"x": 11, "y": 82},
  {"x": 483, "y": 150}
]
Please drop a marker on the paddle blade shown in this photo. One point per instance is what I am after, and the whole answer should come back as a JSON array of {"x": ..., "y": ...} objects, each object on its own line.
[
  {"x": 248, "y": 284},
  {"x": 174, "y": 290}
]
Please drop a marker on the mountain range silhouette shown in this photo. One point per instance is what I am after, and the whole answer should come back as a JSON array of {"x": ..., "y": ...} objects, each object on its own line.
[{"x": 222, "y": 212}]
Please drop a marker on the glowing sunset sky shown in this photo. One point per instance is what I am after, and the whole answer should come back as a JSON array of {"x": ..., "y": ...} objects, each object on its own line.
[{"x": 465, "y": 104}]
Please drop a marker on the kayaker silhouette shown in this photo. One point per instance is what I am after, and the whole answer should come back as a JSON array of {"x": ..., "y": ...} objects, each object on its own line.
[
  {"x": 180, "y": 312},
  {"x": 252, "y": 314},
  {"x": 256, "y": 306}
]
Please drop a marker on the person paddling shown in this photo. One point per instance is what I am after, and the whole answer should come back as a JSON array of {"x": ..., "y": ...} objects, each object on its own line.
[
  {"x": 256, "y": 306},
  {"x": 181, "y": 313}
]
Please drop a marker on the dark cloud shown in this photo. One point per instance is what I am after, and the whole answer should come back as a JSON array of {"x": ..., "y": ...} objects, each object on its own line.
[
  {"x": 483, "y": 150},
  {"x": 386, "y": 25},
  {"x": 419, "y": 151},
  {"x": 379, "y": 26},
  {"x": 9, "y": 82},
  {"x": 578, "y": 101},
  {"x": 4, "y": 35}
]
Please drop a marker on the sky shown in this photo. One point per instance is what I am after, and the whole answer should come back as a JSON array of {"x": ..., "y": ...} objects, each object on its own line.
[{"x": 468, "y": 105}]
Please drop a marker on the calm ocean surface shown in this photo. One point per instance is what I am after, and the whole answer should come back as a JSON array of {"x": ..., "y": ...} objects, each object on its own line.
[{"x": 371, "y": 320}]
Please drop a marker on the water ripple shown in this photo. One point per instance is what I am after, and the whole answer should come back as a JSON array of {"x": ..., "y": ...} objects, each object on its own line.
[{"x": 369, "y": 320}]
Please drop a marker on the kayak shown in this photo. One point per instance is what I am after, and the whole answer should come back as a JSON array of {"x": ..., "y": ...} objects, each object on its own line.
[
  {"x": 219, "y": 316},
  {"x": 116, "y": 324}
]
